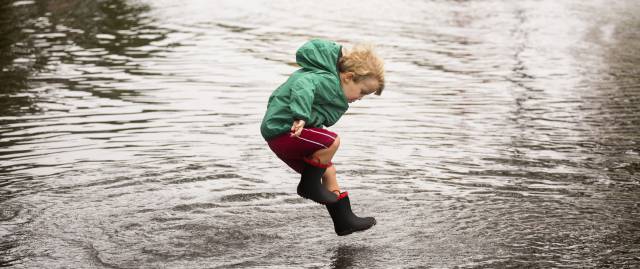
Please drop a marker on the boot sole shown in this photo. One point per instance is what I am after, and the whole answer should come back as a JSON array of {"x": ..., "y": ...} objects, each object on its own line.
[{"x": 348, "y": 232}]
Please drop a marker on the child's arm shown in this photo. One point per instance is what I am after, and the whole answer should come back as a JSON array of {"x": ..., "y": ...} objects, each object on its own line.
[{"x": 302, "y": 95}]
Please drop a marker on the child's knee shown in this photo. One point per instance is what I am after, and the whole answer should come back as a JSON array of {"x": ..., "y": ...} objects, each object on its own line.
[{"x": 336, "y": 143}]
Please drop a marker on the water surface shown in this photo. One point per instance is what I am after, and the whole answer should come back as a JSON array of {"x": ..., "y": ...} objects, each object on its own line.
[{"x": 508, "y": 135}]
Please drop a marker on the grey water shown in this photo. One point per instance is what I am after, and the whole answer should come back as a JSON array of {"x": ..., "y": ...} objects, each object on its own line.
[{"x": 508, "y": 135}]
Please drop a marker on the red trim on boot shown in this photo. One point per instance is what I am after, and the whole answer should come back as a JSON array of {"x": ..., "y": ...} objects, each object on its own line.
[
  {"x": 343, "y": 195},
  {"x": 317, "y": 163}
]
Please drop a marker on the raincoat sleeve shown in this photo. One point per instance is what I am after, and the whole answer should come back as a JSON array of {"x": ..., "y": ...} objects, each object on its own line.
[{"x": 302, "y": 94}]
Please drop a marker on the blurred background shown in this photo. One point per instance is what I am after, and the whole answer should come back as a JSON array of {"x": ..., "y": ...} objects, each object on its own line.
[{"x": 508, "y": 135}]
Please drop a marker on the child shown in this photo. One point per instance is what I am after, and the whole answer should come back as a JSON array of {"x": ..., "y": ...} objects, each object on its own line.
[{"x": 314, "y": 96}]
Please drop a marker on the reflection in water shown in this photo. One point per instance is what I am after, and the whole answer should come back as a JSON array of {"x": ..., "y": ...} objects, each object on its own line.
[
  {"x": 44, "y": 36},
  {"x": 53, "y": 51},
  {"x": 13, "y": 78},
  {"x": 348, "y": 256},
  {"x": 507, "y": 136}
]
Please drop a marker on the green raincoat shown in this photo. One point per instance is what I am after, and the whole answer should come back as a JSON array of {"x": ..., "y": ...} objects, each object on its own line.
[{"x": 312, "y": 93}]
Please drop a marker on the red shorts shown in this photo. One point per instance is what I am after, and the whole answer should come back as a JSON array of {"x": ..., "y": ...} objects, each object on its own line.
[{"x": 293, "y": 150}]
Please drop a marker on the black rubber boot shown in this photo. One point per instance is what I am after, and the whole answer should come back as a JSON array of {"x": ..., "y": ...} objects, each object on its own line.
[
  {"x": 310, "y": 186},
  {"x": 344, "y": 221}
]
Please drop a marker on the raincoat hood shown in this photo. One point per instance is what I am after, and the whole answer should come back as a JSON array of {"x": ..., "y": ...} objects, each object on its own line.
[{"x": 319, "y": 55}]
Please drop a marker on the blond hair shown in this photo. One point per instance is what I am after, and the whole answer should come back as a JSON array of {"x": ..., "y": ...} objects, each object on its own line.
[{"x": 364, "y": 63}]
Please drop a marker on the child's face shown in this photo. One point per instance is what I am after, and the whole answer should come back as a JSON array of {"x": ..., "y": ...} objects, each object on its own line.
[{"x": 356, "y": 90}]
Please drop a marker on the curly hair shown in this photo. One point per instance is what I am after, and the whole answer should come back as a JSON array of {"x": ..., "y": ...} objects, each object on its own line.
[{"x": 362, "y": 60}]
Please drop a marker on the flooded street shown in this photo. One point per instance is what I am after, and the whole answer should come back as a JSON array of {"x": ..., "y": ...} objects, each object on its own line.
[{"x": 508, "y": 135}]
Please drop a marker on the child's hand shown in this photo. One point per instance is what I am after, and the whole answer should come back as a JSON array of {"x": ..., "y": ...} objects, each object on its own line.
[{"x": 296, "y": 128}]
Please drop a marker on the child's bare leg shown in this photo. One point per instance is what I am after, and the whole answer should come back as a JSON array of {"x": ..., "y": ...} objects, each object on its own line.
[
  {"x": 324, "y": 156},
  {"x": 330, "y": 181},
  {"x": 311, "y": 186}
]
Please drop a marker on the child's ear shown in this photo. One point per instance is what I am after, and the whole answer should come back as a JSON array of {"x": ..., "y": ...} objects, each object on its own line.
[{"x": 349, "y": 75}]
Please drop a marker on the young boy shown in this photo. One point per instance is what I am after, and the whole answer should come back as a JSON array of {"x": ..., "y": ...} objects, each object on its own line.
[{"x": 314, "y": 96}]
